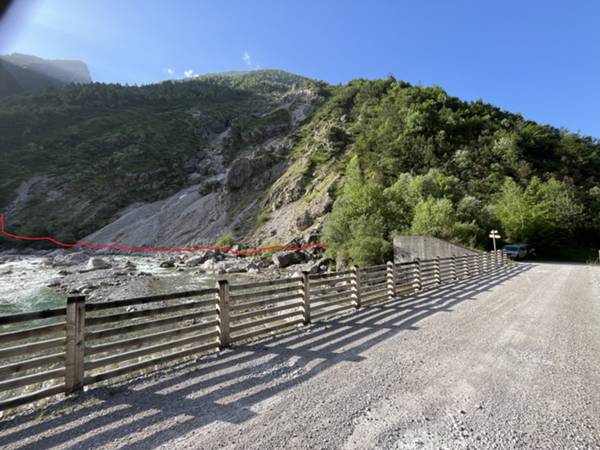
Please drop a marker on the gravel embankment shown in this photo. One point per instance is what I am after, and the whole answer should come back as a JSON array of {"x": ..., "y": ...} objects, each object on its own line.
[{"x": 511, "y": 360}]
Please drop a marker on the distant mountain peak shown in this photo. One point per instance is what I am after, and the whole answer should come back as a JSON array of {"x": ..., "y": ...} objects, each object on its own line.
[{"x": 27, "y": 73}]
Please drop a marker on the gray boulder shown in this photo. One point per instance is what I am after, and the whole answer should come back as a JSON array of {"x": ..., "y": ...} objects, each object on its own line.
[
  {"x": 304, "y": 221},
  {"x": 168, "y": 263},
  {"x": 96, "y": 263},
  {"x": 319, "y": 265},
  {"x": 285, "y": 259},
  {"x": 199, "y": 259},
  {"x": 72, "y": 259}
]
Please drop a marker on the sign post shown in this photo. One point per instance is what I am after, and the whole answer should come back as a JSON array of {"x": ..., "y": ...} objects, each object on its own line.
[{"x": 494, "y": 235}]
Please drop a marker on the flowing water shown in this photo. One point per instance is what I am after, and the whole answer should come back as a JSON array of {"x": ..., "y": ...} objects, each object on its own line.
[
  {"x": 24, "y": 281},
  {"x": 23, "y": 286}
]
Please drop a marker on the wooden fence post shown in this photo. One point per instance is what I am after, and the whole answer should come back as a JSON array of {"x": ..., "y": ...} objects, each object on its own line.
[
  {"x": 75, "y": 345},
  {"x": 391, "y": 283},
  {"x": 355, "y": 283},
  {"x": 453, "y": 268},
  {"x": 306, "y": 296},
  {"x": 436, "y": 266},
  {"x": 418, "y": 274},
  {"x": 224, "y": 313}
]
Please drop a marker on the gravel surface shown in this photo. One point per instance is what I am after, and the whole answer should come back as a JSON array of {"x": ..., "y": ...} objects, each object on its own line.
[{"x": 509, "y": 360}]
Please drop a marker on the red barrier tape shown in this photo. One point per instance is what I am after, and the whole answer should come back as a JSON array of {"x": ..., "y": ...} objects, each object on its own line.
[{"x": 154, "y": 249}]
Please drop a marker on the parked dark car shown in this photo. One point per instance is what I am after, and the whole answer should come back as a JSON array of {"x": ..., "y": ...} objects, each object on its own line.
[{"x": 519, "y": 251}]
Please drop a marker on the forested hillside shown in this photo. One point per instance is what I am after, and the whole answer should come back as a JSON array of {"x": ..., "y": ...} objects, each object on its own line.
[
  {"x": 417, "y": 161},
  {"x": 375, "y": 158}
]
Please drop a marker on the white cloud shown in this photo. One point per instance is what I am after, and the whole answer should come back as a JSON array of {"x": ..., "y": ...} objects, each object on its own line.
[
  {"x": 170, "y": 71},
  {"x": 188, "y": 73},
  {"x": 247, "y": 59}
]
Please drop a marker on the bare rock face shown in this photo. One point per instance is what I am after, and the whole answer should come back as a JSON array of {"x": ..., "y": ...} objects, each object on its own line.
[
  {"x": 304, "y": 221},
  {"x": 239, "y": 172}
]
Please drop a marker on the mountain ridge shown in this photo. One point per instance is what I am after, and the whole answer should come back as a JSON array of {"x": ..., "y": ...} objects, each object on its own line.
[
  {"x": 272, "y": 158},
  {"x": 20, "y": 73}
]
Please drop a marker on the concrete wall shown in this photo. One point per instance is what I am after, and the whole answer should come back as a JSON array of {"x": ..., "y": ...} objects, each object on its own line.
[{"x": 408, "y": 248}]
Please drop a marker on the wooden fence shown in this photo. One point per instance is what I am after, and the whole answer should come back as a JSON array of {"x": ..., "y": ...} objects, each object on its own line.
[{"x": 54, "y": 351}]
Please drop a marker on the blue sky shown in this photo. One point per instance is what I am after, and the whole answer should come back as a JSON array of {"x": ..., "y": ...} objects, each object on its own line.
[{"x": 541, "y": 59}]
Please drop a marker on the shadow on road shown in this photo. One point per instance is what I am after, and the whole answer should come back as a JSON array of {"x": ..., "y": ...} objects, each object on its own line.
[{"x": 225, "y": 388}]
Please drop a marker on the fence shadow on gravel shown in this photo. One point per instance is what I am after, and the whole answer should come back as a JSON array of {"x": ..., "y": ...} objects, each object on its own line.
[{"x": 224, "y": 388}]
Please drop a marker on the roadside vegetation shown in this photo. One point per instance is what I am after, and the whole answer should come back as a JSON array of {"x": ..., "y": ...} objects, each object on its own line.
[{"x": 418, "y": 161}]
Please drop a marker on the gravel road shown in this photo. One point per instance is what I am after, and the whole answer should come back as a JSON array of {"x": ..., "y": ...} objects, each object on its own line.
[{"x": 509, "y": 360}]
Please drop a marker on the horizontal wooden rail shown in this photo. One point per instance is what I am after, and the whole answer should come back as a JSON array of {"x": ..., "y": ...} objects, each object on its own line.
[
  {"x": 255, "y": 323},
  {"x": 31, "y": 397},
  {"x": 257, "y": 303},
  {"x": 269, "y": 310},
  {"x": 267, "y": 330},
  {"x": 325, "y": 290},
  {"x": 35, "y": 378},
  {"x": 321, "y": 305},
  {"x": 127, "y": 369},
  {"x": 100, "y": 320},
  {"x": 375, "y": 280},
  {"x": 343, "y": 290},
  {"x": 333, "y": 311},
  {"x": 406, "y": 264},
  {"x": 380, "y": 298},
  {"x": 118, "y": 331},
  {"x": 149, "y": 299},
  {"x": 253, "y": 295},
  {"x": 35, "y": 315},
  {"x": 259, "y": 284},
  {"x": 32, "y": 363},
  {"x": 329, "y": 274},
  {"x": 12, "y": 336},
  {"x": 374, "y": 268},
  {"x": 330, "y": 281},
  {"x": 113, "y": 359},
  {"x": 32, "y": 347},
  {"x": 317, "y": 298},
  {"x": 149, "y": 338}
]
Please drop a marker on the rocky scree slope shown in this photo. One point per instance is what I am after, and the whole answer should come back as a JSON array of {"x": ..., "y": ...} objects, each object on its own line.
[{"x": 174, "y": 164}]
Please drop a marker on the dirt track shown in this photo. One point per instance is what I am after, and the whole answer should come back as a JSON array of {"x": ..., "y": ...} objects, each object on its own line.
[{"x": 510, "y": 360}]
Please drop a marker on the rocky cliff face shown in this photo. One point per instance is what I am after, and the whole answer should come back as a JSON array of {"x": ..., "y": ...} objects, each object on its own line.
[
  {"x": 224, "y": 180},
  {"x": 220, "y": 199}
]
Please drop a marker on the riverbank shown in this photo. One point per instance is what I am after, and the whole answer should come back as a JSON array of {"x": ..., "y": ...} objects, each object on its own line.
[{"x": 43, "y": 279}]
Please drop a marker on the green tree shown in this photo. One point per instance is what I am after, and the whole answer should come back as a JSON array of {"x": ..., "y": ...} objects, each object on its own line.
[
  {"x": 434, "y": 217},
  {"x": 356, "y": 230},
  {"x": 543, "y": 212}
]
